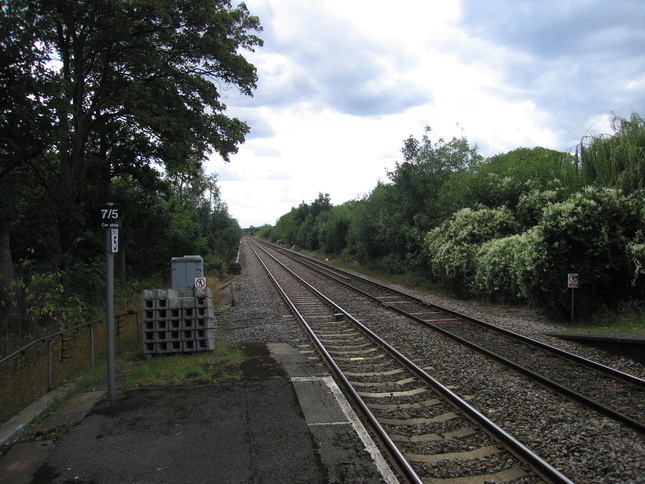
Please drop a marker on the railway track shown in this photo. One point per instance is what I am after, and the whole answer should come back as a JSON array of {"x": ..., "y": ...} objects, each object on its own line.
[
  {"x": 428, "y": 432},
  {"x": 616, "y": 394}
]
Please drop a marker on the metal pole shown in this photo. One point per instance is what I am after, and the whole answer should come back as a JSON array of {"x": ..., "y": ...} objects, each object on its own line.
[
  {"x": 572, "y": 293},
  {"x": 109, "y": 311},
  {"x": 49, "y": 365},
  {"x": 92, "y": 347},
  {"x": 138, "y": 332},
  {"x": 118, "y": 334}
]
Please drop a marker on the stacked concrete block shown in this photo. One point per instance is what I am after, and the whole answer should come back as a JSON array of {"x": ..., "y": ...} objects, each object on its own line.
[{"x": 178, "y": 321}]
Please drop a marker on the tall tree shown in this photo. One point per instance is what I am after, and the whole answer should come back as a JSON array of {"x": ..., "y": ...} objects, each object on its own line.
[
  {"x": 502, "y": 179},
  {"x": 618, "y": 160},
  {"x": 413, "y": 205},
  {"x": 24, "y": 124},
  {"x": 152, "y": 68},
  {"x": 426, "y": 167}
]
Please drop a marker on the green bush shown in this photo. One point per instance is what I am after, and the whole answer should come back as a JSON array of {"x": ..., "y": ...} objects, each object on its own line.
[
  {"x": 596, "y": 233},
  {"x": 50, "y": 305},
  {"x": 452, "y": 246},
  {"x": 213, "y": 265},
  {"x": 531, "y": 205},
  {"x": 505, "y": 268},
  {"x": 592, "y": 234}
]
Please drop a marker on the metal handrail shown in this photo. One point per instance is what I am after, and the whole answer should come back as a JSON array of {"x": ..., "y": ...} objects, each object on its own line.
[
  {"x": 45, "y": 339},
  {"x": 51, "y": 337}
]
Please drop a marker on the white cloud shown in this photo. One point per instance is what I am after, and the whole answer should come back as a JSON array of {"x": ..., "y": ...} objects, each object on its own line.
[{"x": 342, "y": 83}]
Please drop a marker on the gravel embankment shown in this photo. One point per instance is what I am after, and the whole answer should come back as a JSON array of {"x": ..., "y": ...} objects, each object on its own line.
[
  {"x": 259, "y": 316},
  {"x": 585, "y": 446}
]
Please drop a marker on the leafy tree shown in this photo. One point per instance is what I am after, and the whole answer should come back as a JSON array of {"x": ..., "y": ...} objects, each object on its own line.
[
  {"x": 336, "y": 229},
  {"x": 95, "y": 95},
  {"x": 427, "y": 166},
  {"x": 504, "y": 178},
  {"x": 306, "y": 237},
  {"x": 373, "y": 237},
  {"x": 320, "y": 204},
  {"x": 286, "y": 228},
  {"x": 24, "y": 121},
  {"x": 300, "y": 226},
  {"x": 264, "y": 232},
  {"x": 151, "y": 68},
  {"x": 222, "y": 232},
  {"x": 412, "y": 205},
  {"x": 508, "y": 228},
  {"x": 616, "y": 161},
  {"x": 183, "y": 215}
]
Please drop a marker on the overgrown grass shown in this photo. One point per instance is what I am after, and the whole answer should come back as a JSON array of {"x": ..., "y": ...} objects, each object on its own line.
[
  {"x": 213, "y": 283},
  {"x": 629, "y": 318},
  {"x": 24, "y": 379},
  {"x": 80, "y": 385},
  {"x": 205, "y": 367}
]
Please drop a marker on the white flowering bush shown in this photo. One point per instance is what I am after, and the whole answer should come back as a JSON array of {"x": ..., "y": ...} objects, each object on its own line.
[
  {"x": 452, "y": 246},
  {"x": 506, "y": 268},
  {"x": 636, "y": 255},
  {"x": 531, "y": 205},
  {"x": 596, "y": 233},
  {"x": 591, "y": 234}
]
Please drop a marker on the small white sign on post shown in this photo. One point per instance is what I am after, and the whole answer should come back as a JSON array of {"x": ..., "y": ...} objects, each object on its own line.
[
  {"x": 114, "y": 241},
  {"x": 200, "y": 284},
  {"x": 572, "y": 281},
  {"x": 110, "y": 223}
]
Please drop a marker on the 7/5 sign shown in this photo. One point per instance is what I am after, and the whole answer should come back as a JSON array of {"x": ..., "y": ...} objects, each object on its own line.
[{"x": 110, "y": 217}]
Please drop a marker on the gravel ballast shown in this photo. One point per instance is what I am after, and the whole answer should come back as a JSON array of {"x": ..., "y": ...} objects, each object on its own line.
[{"x": 584, "y": 445}]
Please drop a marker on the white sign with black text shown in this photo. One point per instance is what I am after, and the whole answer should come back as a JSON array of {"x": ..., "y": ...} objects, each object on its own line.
[{"x": 114, "y": 241}]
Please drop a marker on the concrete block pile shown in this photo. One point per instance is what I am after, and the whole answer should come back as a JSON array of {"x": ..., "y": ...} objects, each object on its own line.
[{"x": 178, "y": 321}]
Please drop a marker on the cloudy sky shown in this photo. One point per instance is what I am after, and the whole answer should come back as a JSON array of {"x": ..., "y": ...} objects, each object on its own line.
[{"x": 342, "y": 83}]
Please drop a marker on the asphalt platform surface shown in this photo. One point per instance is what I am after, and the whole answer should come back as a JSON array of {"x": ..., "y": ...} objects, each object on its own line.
[{"x": 283, "y": 423}]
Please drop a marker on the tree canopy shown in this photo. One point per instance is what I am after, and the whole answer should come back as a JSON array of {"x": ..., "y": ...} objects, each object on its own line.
[
  {"x": 507, "y": 228},
  {"x": 116, "y": 101},
  {"x": 149, "y": 72}
]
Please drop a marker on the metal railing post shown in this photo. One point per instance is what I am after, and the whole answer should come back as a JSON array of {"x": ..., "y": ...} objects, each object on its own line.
[
  {"x": 49, "y": 340},
  {"x": 92, "y": 347},
  {"x": 49, "y": 365}
]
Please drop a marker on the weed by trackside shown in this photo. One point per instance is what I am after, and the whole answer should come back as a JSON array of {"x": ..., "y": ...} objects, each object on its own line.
[{"x": 182, "y": 369}]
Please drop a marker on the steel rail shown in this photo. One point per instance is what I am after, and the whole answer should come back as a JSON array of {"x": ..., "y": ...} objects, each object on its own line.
[
  {"x": 402, "y": 466},
  {"x": 593, "y": 404},
  {"x": 589, "y": 402},
  {"x": 530, "y": 459},
  {"x": 617, "y": 374}
]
